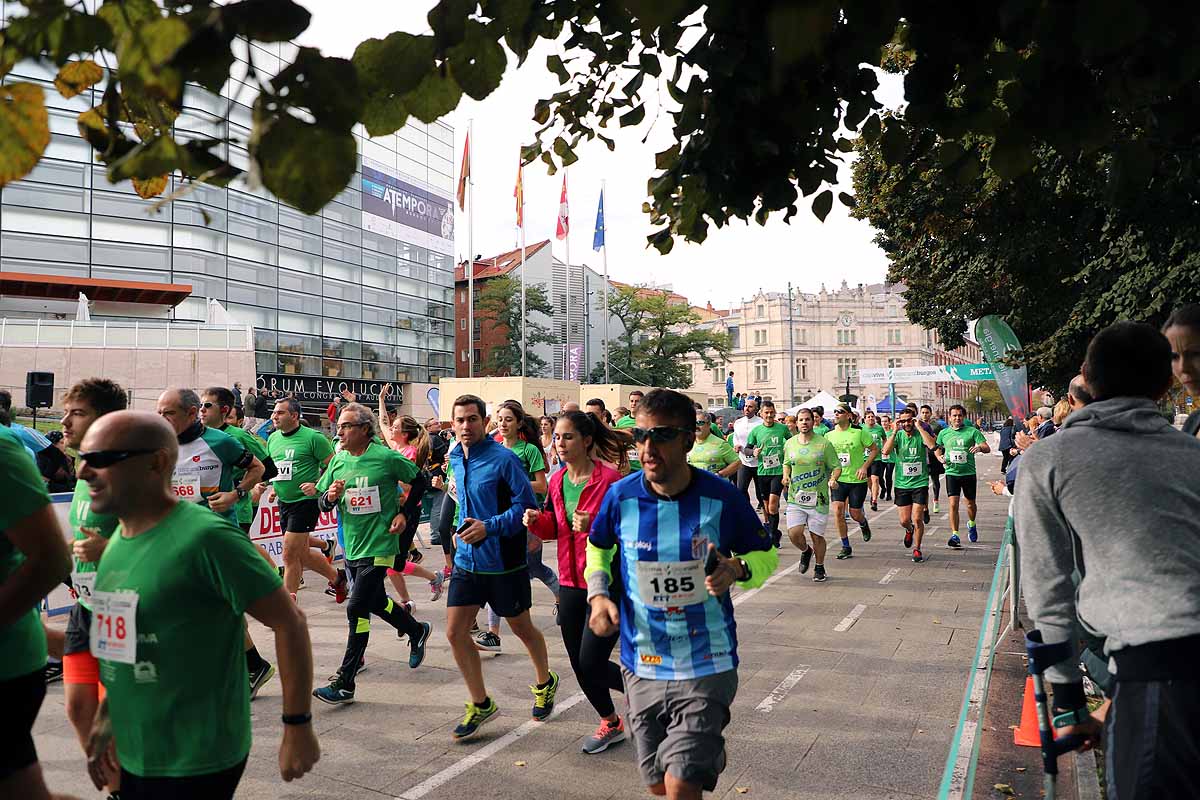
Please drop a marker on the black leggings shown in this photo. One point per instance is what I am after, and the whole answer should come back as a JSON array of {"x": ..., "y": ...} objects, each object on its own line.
[
  {"x": 745, "y": 477},
  {"x": 446, "y": 523},
  {"x": 588, "y": 652},
  {"x": 213, "y": 786},
  {"x": 367, "y": 596},
  {"x": 888, "y": 470}
]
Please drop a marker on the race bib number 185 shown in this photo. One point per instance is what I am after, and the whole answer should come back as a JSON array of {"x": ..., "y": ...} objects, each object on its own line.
[{"x": 671, "y": 584}]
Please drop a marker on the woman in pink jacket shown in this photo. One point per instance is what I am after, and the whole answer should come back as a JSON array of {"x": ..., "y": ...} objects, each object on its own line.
[{"x": 574, "y": 496}]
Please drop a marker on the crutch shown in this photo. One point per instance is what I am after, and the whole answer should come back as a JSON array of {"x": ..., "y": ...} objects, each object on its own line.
[{"x": 1042, "y": 656}]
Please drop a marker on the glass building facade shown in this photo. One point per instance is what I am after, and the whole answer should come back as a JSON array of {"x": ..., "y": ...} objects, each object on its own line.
[{"x": 342, "y": 294}]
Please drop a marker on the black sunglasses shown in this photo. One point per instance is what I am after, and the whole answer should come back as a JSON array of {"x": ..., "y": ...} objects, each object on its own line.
[
  {"x": 700, "y": 423},
  {"x": 100, "y": 459},
  {"x": 658, "y": 435}
]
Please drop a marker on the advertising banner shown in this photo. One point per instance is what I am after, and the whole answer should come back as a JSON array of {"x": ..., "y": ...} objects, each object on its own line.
[
  {"x": 574, "y": 361},
  {"x": 266, "y": 532},
  {"x": 394, "y": 207},
  {"x": 943, "y": 372},
  {"x": 308, "y": 389},
  {"x": 996, "y": 340}
]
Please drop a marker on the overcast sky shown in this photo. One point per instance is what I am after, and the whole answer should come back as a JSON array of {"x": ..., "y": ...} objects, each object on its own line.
[{"x": 731, "y": 264}]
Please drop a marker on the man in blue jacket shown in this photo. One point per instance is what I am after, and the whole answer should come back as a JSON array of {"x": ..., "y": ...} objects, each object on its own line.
[{"x": 489, "y": 565}]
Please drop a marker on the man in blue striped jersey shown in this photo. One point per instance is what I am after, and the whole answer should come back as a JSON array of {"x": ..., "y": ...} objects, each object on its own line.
[{"x": 648, "y": 547}]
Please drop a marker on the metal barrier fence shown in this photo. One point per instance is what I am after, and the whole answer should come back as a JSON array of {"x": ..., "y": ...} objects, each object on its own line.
[{"x": 128, "y": 335}]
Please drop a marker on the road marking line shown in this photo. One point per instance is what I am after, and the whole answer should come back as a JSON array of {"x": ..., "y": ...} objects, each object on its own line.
[
  {"x": 850, "y": 618},
  {"x": 891, "y": 574},
  {"x": 779, "y": 692}
]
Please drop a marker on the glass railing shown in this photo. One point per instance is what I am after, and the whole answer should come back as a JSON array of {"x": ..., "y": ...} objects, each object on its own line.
[{"x": 134, "y": 335}]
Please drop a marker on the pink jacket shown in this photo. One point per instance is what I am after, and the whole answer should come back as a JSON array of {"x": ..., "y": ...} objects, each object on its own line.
[{"x": 553, "y": 523}]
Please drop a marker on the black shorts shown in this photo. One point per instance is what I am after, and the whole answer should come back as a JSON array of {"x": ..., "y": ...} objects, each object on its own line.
[
  {"x": 907, "y": 497},
  {"x": 936, "y": 467},
  {"x": 23, "y": 699},
  {"x": 508, "y": 593},
  {"x": 964, "y": 482},
  {"x": 213, "y": 786},
  {"x": 768, "y": 485},
  {"x": 855, "y": 493},
  {"x": 876, "y": 469},
  {"x": 300, "y": 516},
  {"x": 79, "y": 631}
]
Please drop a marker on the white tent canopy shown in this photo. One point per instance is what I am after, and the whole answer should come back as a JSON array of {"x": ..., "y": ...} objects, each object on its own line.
[
  {"x": 821, "y": 398},
  {"x": 82, "y": 312},
  {"x": 217, "y": 315}
]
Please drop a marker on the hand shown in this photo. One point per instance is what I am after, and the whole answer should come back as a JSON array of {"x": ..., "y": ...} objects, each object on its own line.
[
  {"x": 335, "y": 490},
  {"x": 833, "y": 484},
  {"x": 308, "y": 489},
  {"x": 399, "y": 522},
  {"x": 257, "y": 492},
  {"x": 787, "y": 481},
  {"x": 1091, "y": 729},
  {"x": 102, "y": 750},
  {"x": 438, "y": 482},
  {"x": 973, "y": 449},
  {"x": 604, "y": 620},
  {"x": 89, "y": 549},
  {"x": 581, "y": 521},
  {"x": 737, "y": 448},
  {"x": 724, "y": 576},
  {"x": 473, "y": 533},
  {"x": 298, "y": 751},
  {"x": 387, "y": 389},
  {"x": 861, "y": 473},
  {"x": 349, "y": 396},
  {"x": 997, "y": 487},
  {"x": 530, "y": 518},
  {"x": 222, "y": 501}
]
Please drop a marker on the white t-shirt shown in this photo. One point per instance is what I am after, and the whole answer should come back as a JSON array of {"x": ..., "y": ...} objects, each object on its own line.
[{"x": 741, "y": 431}]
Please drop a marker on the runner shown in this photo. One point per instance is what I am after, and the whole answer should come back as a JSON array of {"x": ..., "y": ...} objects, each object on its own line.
[
  {"x": 820, "y": 428},
  {"x": 576, "y": 492},
  {"x": 907, "y": 444},
  {"x": 932, "y": 426},
  {"x": 957, "y": 446},
  {"x": 300, "y": 453},
  {"x": 712, "y": 453},
  {"x": 170, "y": 594},
  {"x": 768, "y": 440},
  {"x": 889, "y": 463},
  {"x": 875, "y": 474},
  {"x": 748, "y": 472},
  {"x": 83, "y": 404},
  {"x": 33, "y": 560},
  {"x": 809, "y": 464},
  {"x": 489, "y": 564},
  {"x": 648, "y": 547},
  {"x": 361, "y": 481},
  {"x": 628, "y": 420},
  {"x": 856, "y": 451}
]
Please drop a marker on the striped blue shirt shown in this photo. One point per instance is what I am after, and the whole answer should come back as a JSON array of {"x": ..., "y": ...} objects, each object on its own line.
[{"x": 661, "y": 547}]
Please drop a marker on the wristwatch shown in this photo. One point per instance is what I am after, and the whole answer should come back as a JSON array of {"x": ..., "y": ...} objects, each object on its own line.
[
  {"x": 745, "y": 569},
  {"x": 241, "y": 493}
]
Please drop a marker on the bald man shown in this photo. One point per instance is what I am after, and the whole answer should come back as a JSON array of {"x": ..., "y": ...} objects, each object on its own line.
[{"x": 169, "y": 596}]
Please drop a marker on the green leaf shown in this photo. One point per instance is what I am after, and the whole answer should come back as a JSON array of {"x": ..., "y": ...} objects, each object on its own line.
[
  {"x": 650, "y": 64},
  {"x": 541, "y": 112},
  {"x": 847, "y": 200},
  {"x": 949, "y": 153},
  {"x": 24, "y": 130},
  {"x": 478, "y": 63},
  {"x": 1011, "y": 158},
  {"x": 633, "y": 116},
  {"x": 631, "y": 88},
  {"x": 144, "y": 55},
  {"x": 303, "y": 164},
  {"x": 266, "y": 20},
  {"x": 125, "y": 16},
  {"x": 548, "y": 160},
  {"x": 845, "y": 145},
  {"x": 661, "y": 241},
  {"x": 383, "y": 114},
  {"x": 564, "y": 151},
  {"x": 529, "y": 152},
  {"x": 822, "y": 204},
  {"x": 436, "y": 96},
  {"x": 76, "y": 76},
  {"x": 871, "y": 129},
  {"x": 327, "y": 87},
  {"x": 667, "y": 158},
  {"x": 893, "y": 144},
  {"x": 655, "y": 13},
  {"x": 206, "y": 58},
  {"x": 555, "y": 65},
  {"x": 147, "y": 160},
  {"x": 449, "y": 21},
  {"x": 397, "y": 63}
]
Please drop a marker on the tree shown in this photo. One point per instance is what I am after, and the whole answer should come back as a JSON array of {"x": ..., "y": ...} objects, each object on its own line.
[
  {"x": 763, "y": 98},
  {"x": 657, "y": 336},
  {"x": 500, "y": 304}
]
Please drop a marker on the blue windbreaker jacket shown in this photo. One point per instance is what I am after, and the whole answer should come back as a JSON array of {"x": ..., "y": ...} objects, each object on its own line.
[{"x": 492, "y": 487}]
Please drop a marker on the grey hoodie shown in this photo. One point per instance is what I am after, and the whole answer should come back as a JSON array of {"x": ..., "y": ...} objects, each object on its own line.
[{"x": 1116, "y": 494}]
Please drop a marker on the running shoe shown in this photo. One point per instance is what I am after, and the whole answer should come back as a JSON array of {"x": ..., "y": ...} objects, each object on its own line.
[
  {"x": 259, "y": 678},
  {"x": 362, "y": 667},
  {"x": 819, "y": 575},
  {"x": 416, "y": 653},
  {"x": 543, "y": 698},
  {"x": 917, "y": 557},
  {"x": 847, "y": 552},
  {"x": 908, "y": 537},
  {"x": 340, "y": 587},
  {"x": 476, "y": 718},
  {"x": 446, "y": 573},
  {"x": 865, "y": 527},
  {"x": 805, "y": 560},
  {"x": 875, "y": 505},
  {"x": 487, "y": 641},
  {"x": 606, "y": 735},
  {"x": 936, "y": 510},
  {"x": 329, "y": 550},
  {"x": 926, "y": 515},
  {"x": 407, "y": 605},
  {"x": 53, "y": 671},
  {"x": 435, "y": 587},
  {"x": 336, "y": 693},
  {"x": 954, "y": 541},
  {"x": 972, "y": 531},
  {"x": 416, "y": 556}
]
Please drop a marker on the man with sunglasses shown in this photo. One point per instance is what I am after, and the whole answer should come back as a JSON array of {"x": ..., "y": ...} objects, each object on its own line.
[
  {"x": 856, "y": 451},
  {"x": 909, "y": 445},
  {"x": 748, "y": 472},
  {"x": 648, "y": 546},
  {"x": 170, "y": 594},
  {"x": 711, "y": 452}
]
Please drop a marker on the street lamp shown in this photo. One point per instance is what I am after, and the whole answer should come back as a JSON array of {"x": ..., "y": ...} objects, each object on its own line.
[{"x": 979, "y": 403}]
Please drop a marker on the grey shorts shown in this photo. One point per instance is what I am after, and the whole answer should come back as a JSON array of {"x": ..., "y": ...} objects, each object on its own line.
[{"x": 677, "y": 726}]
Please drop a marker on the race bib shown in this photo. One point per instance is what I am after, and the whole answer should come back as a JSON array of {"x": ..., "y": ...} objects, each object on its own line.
[
  {"x": 363, "y": 500},
  {"x": 910, "y": 469},
  {"x": 844, "y": 459},
  {"x": 84, "y": 584},
  {"x": 186, "y": 486},
  {"x": 956, "y": 456},
  {"x": 114, "y": 626},
  {"x": 806, "y": 499},
  {"x": 284, "y": 470},
  {"x": 671, "y": 584},
  {"x": 631, "y": 454},
  {"x": 770, "y": 462}
]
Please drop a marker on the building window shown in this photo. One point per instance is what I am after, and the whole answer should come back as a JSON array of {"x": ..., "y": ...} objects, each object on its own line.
[
  {"x": 463, "y": 356},
  {"x": 929, "y": 338},
  {"x": 802, "y": 336},
  {"x": 847, "y": 336},
  {"x": 762, "y": 311},
  {"x": 719, "y": 375},
  {"x": 847, "y": 368},
  {"x": 802, "y": 369},
  {"x": 477, "y": 358},
  {"x": 892, "y": 311},
  {"x": 895, "y": 336},
  {"x": 760, "y": 336},
  {"x": 760, "y": 370},
  {"x": 895, "y": 363},
  {"x": 462, "y": 295},
  {"x": 462, "y": 324}
]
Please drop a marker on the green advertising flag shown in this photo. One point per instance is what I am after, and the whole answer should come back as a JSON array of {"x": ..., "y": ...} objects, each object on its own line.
[{"x": 996, "y": 341}]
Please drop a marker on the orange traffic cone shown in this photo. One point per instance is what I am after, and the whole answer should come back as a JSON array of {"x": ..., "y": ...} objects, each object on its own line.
[{"x": 1026, "y": 734}]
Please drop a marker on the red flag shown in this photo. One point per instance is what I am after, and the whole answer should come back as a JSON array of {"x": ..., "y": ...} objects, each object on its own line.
[
  {"x": 464, "y": 173},
  {"x": 519, "y": 194},
  {"x": 564, "y": 217}
]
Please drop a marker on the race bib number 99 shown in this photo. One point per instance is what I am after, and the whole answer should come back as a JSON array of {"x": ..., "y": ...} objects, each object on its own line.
[
  {"x": 671, "y": 584},
  {"x": 114, "y": 626},
  {"x": 910, "y": 469}
]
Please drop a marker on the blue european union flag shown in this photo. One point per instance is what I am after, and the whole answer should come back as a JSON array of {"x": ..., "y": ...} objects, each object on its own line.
[{"x": 598, "y": 236}]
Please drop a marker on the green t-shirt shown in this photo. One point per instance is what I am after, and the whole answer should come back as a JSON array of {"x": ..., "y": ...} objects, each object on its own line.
[
  {"x": 912, "y": 463},
  {"x": 532, "y": 457},
  {"x": 298, "y": 457},
  {"x": 23, "y": 643},
  {"x": 571, "y": 494},
  {"x": 245, "y": 507},
  {"x": 809, "y": 466},
  {"x": 83, "y": 573},
  {"x": 370, "y": 499},
  {"x": 878, "y": 436},
  {"x": 959, "y": 460},
  {"x": 820, "y": 429},
  {"x": 622, "y": 424},
  {"x": 183, "y": 707},
  {"x": 716, "y": 430},
  {"x": 768, "y": 442},
  {"x": 851, "y": 445},
  {"x": 713, "y": 454}
]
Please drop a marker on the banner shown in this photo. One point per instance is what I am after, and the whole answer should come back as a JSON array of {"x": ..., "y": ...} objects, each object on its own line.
[
  {"x": 574, "y": 362},
  {"x": 996, "y": 340},
  {"x": 308, "y": 389},
  {"x": 266, "y": 532},
  {"x": 398, "y": 209},
  {"x": 934, "y": 372}
]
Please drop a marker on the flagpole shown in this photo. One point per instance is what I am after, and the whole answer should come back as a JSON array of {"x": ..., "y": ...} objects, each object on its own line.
[
  {"x": 470, "y": 259},
  {"x": 524, "y": 313},
  {"x": 567, "y": 238},
  {"x": 604, "y": 254}
]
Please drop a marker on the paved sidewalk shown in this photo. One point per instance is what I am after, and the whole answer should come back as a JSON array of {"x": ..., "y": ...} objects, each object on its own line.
[{"x": 848, "y": 689}]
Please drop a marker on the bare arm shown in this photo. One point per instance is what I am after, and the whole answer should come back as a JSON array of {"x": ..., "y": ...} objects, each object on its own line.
[
  {"x": 383, "y": 429},
  {"x": 253, "y": 475},
  {"x": 539, "y": 482},
  {"x": 47, "y": 563},
  {"x": 889, "y": 443},
  {"x": 292, "y": 647}
]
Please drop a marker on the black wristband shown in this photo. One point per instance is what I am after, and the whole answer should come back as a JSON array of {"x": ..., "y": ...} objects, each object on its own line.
[
  {"x": 297, "y": 719},
  {"x": 1068, "y": 696}
]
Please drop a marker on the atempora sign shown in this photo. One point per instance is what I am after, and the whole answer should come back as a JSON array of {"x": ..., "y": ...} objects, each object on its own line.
[
  {"x": 933, "y": 373},
  {"x": 323, "y": 390},
  {"x": 398, "y": 209}
]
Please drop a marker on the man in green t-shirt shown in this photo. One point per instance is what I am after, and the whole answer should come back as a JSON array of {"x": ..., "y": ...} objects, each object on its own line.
[
  {"x": 33, "y": 560},
  {"x": 625, "y": 420},
  {"x": 170, "y": 594},
  {"x": 856, "y": 452},
  {"x": 361, "y": 482},
  {"x": 957, "y": 446},
  {"x": 710, "y": 452},
  {"x": 766, "y": 442},
  {"x": 83, "y": 404},
  {"x": 875, "y": 473},
  {"x": 809, "y": 465},
  {"x": 908, "y": 446},
  {"x": 299, "y": 454}
]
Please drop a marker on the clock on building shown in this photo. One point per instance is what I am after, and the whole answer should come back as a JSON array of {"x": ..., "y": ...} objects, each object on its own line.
[{"x": 846, "y": 320}]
